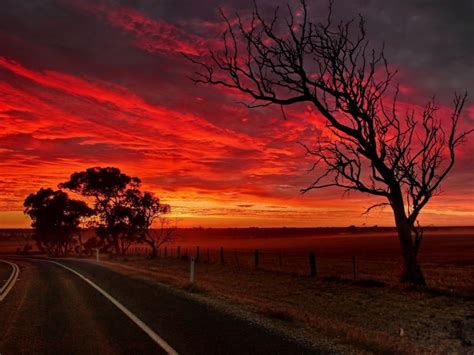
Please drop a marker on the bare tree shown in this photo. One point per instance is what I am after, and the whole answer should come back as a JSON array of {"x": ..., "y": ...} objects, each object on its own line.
[
  {"x": 163, "y": 233},
  {"x": 145, "y": 209},
  {"x": 24, "y": 240},
  {"x": 371, "y": 147}
]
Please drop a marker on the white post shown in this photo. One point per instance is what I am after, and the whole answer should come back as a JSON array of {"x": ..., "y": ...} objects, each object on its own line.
[
  {"x": 97, "y": 254},
  {"x": 191, "y": 274}
]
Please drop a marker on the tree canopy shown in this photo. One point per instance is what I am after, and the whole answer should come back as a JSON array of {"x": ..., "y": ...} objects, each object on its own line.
[
  {"x": 123, "y": 212},
  {"x": 55, "y": 218}
]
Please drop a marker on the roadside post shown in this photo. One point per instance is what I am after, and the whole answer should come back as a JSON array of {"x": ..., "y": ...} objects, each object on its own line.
[
  {"x": 191, "y": 271},
  {"x": 312, "y": 264},
  {"x": 257, "y": 258},
  {"x": 97, "y": 254},
  {"x": 354, "y": 269}
]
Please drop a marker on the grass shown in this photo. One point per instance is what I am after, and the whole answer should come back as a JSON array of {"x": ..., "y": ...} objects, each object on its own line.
[
  {"x": 369, "y": 283},
  {"x": 193, "y": 288},
  {"x": 364, "y": 315},
  {"x": 278, "y": 314}
]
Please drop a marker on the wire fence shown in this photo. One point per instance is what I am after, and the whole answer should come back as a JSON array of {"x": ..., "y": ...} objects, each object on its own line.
[{"x": 365, "y": 268}]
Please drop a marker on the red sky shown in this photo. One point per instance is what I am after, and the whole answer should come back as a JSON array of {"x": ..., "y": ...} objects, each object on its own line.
[{"x": 102, "y": 83}]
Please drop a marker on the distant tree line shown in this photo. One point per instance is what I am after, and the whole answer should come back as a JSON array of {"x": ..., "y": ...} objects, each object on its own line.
[{"x": 113, "y": 205}]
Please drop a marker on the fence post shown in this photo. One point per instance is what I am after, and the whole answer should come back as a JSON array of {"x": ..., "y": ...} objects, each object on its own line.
[
  {"x": 354, "y": 271},
  {"x": 222, "y": 255},
  {"x": 257, "y": 258},
  {"x": 191, "y": 271},
  {"x": 312, "y": 264},
  {"x": 178, "y": 252},
  {"x": 197, "y": 253}
]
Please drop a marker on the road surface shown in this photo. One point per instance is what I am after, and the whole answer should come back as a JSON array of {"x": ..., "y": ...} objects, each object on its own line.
[
  {"x": 51, "y": 310},
  {"x": 5, "y": 271}
]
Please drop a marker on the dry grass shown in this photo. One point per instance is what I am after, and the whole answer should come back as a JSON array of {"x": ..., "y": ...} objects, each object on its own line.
[
  {"x": 446, "y": 255},
  {"x": 366, "y": 316}
]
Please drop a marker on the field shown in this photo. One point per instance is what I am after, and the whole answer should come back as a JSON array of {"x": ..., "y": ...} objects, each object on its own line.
[
  {"x": 447, "y": 255},
  {"x": 369, "y": 313},
  {"x": 12, "y": 240},
  {"x": 356, "y": 316}
]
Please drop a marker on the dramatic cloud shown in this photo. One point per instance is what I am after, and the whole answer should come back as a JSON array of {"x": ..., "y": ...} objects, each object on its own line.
[{"x": 85, "y": 83}]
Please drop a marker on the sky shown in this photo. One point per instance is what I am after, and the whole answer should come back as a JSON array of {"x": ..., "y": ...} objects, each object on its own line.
[{"x": 104, "y": 83}]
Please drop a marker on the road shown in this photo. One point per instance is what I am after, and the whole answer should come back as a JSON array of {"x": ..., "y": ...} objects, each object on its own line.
[
  {"x": 5, "y": 271},
  {"x": 51, "y": 310}
]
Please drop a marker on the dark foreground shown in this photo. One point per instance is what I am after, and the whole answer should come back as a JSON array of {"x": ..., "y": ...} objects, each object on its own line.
[{"x": 52, "y": 311}]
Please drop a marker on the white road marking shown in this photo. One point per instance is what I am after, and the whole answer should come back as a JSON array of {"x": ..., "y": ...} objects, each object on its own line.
[
  {"x": 155, "y": 337},
  {"x": 6, "y": 288}
]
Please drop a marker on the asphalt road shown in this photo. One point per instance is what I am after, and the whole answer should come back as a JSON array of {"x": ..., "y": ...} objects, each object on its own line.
[
  {"x": 51, "y": 310},
  {"x": 5, "y": 271}
]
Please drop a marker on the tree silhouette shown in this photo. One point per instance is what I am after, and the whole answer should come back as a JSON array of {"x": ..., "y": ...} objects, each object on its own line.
[
  {"x": 124, "y": 213},
  {"x": 55, "y": 219},
  {"x": 372, "y": 147},
  {"x": 108, "y": 187}
]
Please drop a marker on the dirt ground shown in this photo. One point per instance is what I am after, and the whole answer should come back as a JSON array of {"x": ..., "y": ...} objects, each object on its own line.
[{"x": 359, "y": 316}]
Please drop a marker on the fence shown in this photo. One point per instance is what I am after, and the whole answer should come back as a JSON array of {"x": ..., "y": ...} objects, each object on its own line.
[
  {"x": 439, "y": 272},
  {"x": 295, "y": 262}
]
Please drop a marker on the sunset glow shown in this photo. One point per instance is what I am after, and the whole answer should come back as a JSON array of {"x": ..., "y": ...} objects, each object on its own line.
[{"x": 111, "y": 88}]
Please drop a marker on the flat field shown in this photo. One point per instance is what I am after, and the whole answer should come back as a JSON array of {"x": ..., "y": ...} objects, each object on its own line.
[
  {"x": 371, "y": 313},
  {"x": 447, "y": 254}
]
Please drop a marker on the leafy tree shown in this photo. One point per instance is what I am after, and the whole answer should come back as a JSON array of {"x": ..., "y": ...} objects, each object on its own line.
[
  {"x": 55, "y": 219},
  {"x": 124, "y": 213},
  {"x": 372, "y": 147},
  {"x": 90, "y": 245},
  {"x": 108, "y": 188}
]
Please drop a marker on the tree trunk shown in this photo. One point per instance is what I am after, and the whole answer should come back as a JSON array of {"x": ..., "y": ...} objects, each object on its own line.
[
  {"x": 81, "y": 244},
  {"x": 117, "y": 245},
  {"x": 154, "y": 249},
  {"x": 411, "y": 268}
]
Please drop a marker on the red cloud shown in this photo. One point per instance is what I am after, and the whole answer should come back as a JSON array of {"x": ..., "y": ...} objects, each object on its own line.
[
  {"x": 206, "y": 156},
  {"x": 150, "y": 35}
]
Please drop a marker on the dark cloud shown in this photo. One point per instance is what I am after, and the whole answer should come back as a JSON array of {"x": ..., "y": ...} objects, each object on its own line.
[{"x": 433, "y": 40}]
